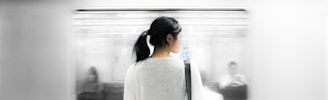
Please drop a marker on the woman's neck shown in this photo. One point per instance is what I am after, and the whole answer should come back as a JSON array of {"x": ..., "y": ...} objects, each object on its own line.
[{"x": 160, "y": 52}]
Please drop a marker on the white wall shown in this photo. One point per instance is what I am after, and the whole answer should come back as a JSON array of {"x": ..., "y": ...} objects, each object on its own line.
[
  {"x": 326, "y": 54},
  {"x": 34, "y": 52},
  {"x": 287, "y": 42},
  {"x": 1, "y": 32}
]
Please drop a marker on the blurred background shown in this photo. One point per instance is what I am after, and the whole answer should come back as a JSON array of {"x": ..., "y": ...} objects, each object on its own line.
[
  {"x": 105, "y": 37},
  {"x": 48, "y": 47}
]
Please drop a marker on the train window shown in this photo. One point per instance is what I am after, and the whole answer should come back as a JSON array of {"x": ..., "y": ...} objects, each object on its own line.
[{"x": 213, "y": 38}]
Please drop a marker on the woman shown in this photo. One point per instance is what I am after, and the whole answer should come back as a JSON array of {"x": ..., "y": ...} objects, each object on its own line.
[
  {"x": 93, "y": 89},
  {"x": 233, "y": 78},
  {"x": 234, "y": 85},
  {"x": 160, "y": 76}
]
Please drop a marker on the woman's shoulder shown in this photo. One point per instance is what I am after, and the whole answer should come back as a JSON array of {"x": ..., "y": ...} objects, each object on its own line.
[
  {"x": 194, "y": 65},
  {"x": 163, "y": 61},
  {"x": 135, "y": 66},
  {"x": 131, "y": 69}
]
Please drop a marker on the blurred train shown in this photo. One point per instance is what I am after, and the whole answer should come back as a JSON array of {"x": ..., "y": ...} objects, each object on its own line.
[
  {"x": 49, "y": 49},
  {"x": 211, "y": 37}
]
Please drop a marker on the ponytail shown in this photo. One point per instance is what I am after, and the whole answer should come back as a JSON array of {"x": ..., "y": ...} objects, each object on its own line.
[
  {"x": 141, "y": 48},
  {"x": 158, "y": 31}
]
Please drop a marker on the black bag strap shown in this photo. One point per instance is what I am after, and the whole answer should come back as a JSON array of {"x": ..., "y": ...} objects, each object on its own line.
[{"x": 188, "y": 78}]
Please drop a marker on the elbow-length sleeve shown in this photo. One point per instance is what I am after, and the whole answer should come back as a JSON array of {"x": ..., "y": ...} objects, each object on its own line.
[
  {"x": 197, "y": 85},
  {"x": 198, "y": 90},
  {"x": 130, "y": 85}
]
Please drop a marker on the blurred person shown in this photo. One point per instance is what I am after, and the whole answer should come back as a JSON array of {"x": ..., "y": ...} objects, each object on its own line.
[
  {"x": 160, "y": 76},
  {"x": 234, "y": 85},
  {"x": 233, "y": 78},
  {"x": 92, "y": 89}
]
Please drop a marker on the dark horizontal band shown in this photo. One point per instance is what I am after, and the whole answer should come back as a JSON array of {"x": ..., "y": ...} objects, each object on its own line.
[{"x": 156, "y": 9}]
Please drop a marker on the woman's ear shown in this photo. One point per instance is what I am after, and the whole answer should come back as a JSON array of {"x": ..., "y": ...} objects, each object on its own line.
[{"x": 169, "y": 39}]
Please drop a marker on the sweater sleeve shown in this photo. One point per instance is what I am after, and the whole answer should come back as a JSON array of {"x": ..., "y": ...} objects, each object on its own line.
[
  {"x": 197, "y": 86},
  {"x": 130, "y": 85},
  {"x": 198, "y": 90}
]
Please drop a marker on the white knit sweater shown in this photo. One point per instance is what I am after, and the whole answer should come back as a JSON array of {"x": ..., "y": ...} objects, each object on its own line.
[{"x": 160, "y": 79}]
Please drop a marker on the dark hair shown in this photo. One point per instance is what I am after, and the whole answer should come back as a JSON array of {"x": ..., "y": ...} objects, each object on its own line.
[
  {"x": 231, "y": 63},
  {"x": 159, "y": 29}
]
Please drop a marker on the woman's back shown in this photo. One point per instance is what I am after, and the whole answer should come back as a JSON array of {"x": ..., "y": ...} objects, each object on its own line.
[
  {"x": 159, "y": 79},
  {"x": 160, "y": 76}
]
